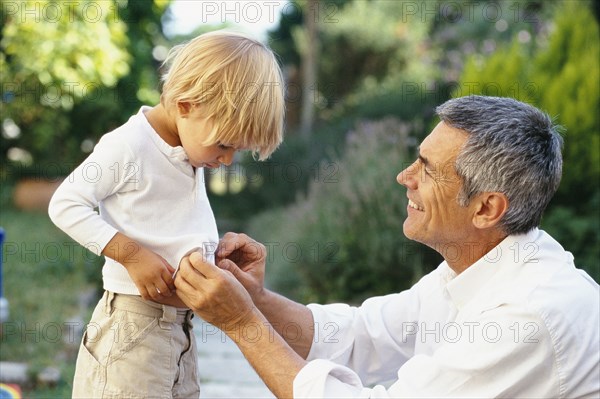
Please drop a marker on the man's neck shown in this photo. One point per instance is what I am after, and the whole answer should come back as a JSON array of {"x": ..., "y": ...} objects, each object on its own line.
[{"x": 462, "y": 256}]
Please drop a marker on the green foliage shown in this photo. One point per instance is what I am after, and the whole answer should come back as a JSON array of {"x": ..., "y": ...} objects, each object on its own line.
[
  {"x": 577, "y": 230},
  {"x": 91, "y": 69},
  {"x": 79, "y": 55},
  {"x": 568, "y": 75},
  {"x": 44, "y": 274},
  {"x": 504, "y": 73},
  {"x": 343, "y": 240},
  {"x": 381, "y": 56},
  {"x": 560, "y": 74},
  {"x": 78, "y": 46},
  {"x": 562, "y": 78},
  {"x": 381, "y": 49}
]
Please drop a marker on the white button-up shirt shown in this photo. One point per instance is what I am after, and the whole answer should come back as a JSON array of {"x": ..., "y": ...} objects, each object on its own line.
[{"x": 520, "y": 322}]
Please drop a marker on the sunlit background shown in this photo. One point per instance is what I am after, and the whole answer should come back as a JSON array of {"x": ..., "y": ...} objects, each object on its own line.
[{"x": 362, "y": 80}]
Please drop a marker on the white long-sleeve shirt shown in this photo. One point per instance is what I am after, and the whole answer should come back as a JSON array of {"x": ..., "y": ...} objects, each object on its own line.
[
  {"x": 521, "y": 322},
  {"x": 145, "y": 189}
]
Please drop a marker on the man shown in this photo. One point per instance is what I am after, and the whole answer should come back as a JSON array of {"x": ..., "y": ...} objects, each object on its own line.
[{"x": 506, "y": 314}]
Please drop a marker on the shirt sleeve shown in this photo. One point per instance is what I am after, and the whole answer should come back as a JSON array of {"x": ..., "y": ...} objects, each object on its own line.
[
  {"x": 102, "y": 174},
  {"x": 374, "y": 339},
  {"x": 506, "y": 352}
]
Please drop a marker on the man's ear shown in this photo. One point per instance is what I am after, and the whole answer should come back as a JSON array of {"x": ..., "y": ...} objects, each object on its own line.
[
  {"x": 489, "y": 209},
  {"x": 184, "y": 108}
]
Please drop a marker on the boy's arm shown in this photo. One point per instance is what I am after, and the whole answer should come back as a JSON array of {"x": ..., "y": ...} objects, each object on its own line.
[
  {"x": 72, "y": 207},
  {"x": 150, "y": 272}
]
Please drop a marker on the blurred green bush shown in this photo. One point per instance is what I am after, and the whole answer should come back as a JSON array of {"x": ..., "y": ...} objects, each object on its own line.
[
  {"x": 561, "y": 75},
  {"x": 343, "y": 240}
]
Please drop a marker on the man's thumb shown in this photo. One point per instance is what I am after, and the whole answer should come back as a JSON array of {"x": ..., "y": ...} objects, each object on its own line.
[{"x": 227, "y": 264}]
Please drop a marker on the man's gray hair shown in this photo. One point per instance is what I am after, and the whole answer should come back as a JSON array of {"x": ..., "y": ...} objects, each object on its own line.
[{"x": 512, "y": 148}]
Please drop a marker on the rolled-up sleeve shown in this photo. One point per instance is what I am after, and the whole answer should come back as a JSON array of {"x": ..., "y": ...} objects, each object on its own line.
[
  {"x": 324, "y": 379},
  {"x": 486, "y": 361},
  {"x": 373, "y": 340}
]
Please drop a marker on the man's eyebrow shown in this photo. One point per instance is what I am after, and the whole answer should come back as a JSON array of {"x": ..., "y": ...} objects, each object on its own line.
[{"x": 424, "y": 160}]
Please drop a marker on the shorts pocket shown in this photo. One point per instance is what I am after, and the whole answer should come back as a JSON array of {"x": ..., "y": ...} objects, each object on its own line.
[
  {"x": 139, "y": 362},
  {"x": 90, "y": 375}
]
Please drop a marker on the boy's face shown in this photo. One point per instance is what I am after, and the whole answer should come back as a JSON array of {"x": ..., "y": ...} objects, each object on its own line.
[{"x": 193, "y": 129}]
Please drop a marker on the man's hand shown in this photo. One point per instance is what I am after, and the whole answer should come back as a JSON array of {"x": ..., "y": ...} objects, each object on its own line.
[
  {"x": 245, "y": 259},
  {"x": 213, "y": 293},
  {"x": 217, "y": 297}
]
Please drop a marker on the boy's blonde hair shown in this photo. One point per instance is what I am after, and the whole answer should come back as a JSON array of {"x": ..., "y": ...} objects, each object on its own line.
[{"x": 239, "y": 85}]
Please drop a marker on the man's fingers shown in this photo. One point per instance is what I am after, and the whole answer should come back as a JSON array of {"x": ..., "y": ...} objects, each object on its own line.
[
  {"x": 202, "y": 266},
  {"x": 226, "y": 264},
  {"x": 231, "y": 267},
  {"x": 232, "y": 242},
  {"x": 191, "y": 269},
  {"x": 234, "y": 245}
]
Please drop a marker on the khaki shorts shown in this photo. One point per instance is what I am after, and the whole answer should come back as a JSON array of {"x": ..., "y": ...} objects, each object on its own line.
[{"x": 134, "y": 348}]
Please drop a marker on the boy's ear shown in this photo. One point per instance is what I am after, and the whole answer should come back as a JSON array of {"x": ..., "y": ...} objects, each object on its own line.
[
  {"x": 489, "y": 209},
  {"x": 184, "y": 108}
]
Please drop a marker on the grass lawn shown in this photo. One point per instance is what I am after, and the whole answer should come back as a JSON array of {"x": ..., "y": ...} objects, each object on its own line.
[{"x": 44, "y": 274}]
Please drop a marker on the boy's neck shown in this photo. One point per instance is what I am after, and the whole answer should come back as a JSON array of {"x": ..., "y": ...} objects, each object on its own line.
[{"x": 163, "y": 124}]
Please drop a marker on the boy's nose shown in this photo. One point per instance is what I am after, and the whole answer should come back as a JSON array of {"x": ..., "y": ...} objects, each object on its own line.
[{"x": 226, "y": 158}]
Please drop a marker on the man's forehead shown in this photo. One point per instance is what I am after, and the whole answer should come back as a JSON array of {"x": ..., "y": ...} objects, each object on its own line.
[{"x": 442, "y": 144}]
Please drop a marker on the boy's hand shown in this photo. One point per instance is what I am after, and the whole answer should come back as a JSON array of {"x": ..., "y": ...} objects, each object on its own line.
[
  {"x": 151, "y": 274},
  {"x": 148, "y": 270}
]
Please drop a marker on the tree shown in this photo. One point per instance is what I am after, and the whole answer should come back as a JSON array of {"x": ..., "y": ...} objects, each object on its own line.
[
  {"x": 310, "y": 55},
  {"x": 561, "y": 77},
  {"x": 559, "y": 74},
  {"x": 71, "y": 72}
]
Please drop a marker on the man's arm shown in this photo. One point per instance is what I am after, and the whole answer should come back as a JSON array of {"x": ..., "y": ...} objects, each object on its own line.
[
  {"x": 216, "y": 296},
  {"x": 245, "y": 259}
]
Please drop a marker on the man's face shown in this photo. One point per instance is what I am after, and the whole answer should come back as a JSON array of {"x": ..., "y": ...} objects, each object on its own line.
[{"x": 433, "y": 216}]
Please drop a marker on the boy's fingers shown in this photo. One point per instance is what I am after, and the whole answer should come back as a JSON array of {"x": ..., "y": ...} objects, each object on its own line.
[
  {"x": 162, "y": 288},
  {"x": 144, "y": 293},
  {"x": 167, "y": 277},
  {"x": 170, "y": 268}
]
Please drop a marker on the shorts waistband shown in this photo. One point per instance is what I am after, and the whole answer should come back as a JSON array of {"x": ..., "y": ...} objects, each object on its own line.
[{"x": 135, "y": 304}]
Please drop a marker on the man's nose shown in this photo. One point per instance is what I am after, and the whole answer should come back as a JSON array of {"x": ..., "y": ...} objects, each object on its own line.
[{"x": 408, "y": 177}]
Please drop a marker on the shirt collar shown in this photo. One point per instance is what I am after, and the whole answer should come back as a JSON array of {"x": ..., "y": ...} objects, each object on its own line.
[
  {"x": 176, "y": 153},
  {"x": 465, "y": 286}
]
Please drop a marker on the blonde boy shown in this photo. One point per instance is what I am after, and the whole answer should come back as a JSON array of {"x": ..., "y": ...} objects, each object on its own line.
[{"x": 223, "y": 93}]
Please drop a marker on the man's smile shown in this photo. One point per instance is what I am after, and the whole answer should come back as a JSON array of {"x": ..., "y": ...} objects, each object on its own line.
[{"x": 415, "y": 206}]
